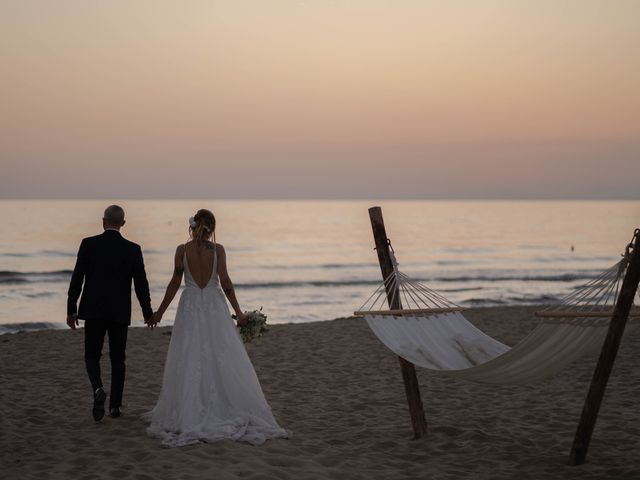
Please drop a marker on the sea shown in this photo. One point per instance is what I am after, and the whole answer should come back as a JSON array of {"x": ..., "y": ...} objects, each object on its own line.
[{"x": 304, "y": 261}]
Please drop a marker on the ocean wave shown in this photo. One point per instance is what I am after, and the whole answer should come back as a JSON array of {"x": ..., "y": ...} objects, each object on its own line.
[
  {"x": 324, "y": 266},
  {"x": 29, "y": 327},
  {"x": 38, "y": 295},
  {"x": 11, "y": 277},
  {"x": 157, "y": 251},
  {"x": 452, "y": 262},
  {"x": 562, "y": 277},
  {"x": 347, "y": 265},
  {"x": 467, "y": 250},
  {"x": 485, "y": 302},
  {"x": 71, "y": 254},
  {"x": 462, "y": 289},
  {"x": 524, "y": 299},
  {"x": 537, "y": 247},
  {"x": 56, "y": 253},
  {"x": 308, "y": 283},
  {"x": 39, "y": 253},
  {"x": 572, "y": 258},
  {"x": 542, "y": 299}
]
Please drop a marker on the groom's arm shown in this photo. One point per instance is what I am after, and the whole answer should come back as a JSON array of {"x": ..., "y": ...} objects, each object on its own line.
[
  {"x": 141, "y": 284},
  {"x": 77, "y": 279}
]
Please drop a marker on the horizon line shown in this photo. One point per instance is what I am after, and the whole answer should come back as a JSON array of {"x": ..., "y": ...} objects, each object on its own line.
[{"x": 337, "y": 199}]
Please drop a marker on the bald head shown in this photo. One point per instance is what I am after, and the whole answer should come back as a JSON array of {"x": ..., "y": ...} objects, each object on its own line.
[{"x": 113, "y": 217}]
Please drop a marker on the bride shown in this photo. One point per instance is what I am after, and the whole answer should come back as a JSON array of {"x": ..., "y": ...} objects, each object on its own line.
[{"x": 209, "y": 389}]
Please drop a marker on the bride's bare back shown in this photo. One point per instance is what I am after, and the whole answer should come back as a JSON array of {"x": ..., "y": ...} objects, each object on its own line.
[{"x": 200, "y": 259}]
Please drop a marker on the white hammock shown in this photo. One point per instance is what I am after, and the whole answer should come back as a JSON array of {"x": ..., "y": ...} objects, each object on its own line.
[{"x": 431, "y": 332}]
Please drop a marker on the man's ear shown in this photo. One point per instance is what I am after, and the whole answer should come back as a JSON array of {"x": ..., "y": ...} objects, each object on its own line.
[{"x": 123, "y": 222}]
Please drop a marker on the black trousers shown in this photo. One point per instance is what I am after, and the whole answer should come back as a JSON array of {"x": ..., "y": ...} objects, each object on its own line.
[{"x": 94, "y": 332}]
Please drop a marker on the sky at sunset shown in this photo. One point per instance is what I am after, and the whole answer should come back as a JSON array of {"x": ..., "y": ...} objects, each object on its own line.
[{"x": 320, "y": 99}]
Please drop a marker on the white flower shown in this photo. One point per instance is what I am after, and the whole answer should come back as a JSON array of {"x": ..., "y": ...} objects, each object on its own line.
[{"x": 192, "y": 222}]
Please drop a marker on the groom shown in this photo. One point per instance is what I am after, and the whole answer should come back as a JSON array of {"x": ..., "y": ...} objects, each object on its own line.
[{"x": 106, "y": 264}]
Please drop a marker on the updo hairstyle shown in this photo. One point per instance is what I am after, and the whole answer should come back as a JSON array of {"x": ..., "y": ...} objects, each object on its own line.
[{"x": 202, "y": 226}]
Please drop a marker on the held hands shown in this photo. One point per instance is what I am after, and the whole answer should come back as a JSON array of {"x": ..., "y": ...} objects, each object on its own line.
[
  {"x": 72, "y": 321},
  {"x": 153, "y": 320},
  {"x": 150, "y": 322}
]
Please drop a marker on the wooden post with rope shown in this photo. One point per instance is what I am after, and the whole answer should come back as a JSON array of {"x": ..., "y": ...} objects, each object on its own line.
[
  {"x": 607, "y": 354},
  {"x": 409, "y": 377}
]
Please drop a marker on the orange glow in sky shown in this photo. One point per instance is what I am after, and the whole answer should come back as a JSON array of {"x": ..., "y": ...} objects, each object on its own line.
[{"x": 320, "y": 99}]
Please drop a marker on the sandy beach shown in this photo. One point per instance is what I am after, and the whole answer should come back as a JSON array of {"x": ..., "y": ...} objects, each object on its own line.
[{"x": 339, "y": 391}]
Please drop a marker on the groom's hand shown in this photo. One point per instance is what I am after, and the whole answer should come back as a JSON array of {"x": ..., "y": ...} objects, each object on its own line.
[{"x": 72, "y": 321}]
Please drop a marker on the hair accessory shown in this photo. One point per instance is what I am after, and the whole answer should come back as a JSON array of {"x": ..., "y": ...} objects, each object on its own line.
[{"x": 192, "y": 222}]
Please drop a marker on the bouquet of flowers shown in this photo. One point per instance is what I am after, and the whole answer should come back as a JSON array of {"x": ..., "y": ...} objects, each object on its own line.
[{"x": 255, "y": 326}]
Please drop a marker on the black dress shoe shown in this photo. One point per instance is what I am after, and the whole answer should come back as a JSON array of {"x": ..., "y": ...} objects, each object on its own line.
[
  {"x": 114, "y": 412},
  {"x": 98, "y": 404}
]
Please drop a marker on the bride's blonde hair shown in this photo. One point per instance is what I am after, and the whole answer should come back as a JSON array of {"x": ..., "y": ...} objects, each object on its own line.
[{"x": 203, "y": 226}]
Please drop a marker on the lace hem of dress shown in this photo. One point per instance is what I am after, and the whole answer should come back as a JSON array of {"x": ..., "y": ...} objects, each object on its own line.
[{"x": 238, "y": 429}]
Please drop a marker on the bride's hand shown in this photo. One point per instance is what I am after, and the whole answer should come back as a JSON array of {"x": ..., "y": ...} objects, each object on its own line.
[{"x": 241, "y": 319}]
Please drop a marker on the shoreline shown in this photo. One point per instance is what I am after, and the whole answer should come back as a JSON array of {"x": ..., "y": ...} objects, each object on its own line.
[
  {"x": 339, "y": 391},
  {"x": 27, "y": 327}
]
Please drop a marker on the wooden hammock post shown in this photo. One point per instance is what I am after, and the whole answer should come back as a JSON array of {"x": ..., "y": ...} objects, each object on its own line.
[
  {"x": 409, "y": 377},
  {"x": 607, "y": 356}
]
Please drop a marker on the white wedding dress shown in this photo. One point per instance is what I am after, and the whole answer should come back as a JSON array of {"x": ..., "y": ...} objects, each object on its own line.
[{"x": 210, "y": 390}]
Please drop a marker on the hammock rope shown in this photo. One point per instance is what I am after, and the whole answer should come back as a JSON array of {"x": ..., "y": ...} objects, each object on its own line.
[{"x": 413, "y": 296}]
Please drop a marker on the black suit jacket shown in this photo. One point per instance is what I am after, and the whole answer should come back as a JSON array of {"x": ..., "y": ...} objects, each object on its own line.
[{"x": 106, "y": 264}]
